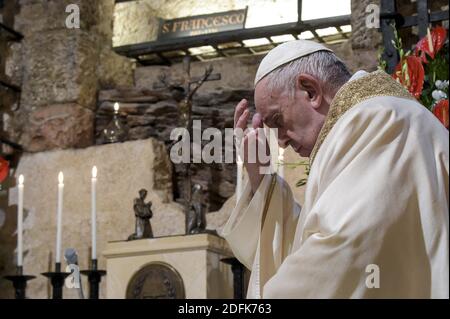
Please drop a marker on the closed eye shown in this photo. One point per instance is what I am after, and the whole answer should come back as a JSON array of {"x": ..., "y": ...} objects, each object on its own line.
[
  {"x": 273, "y": 121},
  {"x": 278, "y": 120}
]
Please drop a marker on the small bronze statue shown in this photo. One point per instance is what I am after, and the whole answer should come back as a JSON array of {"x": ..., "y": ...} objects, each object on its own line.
[
  {"x": 143, "y": 213},
  {"x": 196, "y": 219}
]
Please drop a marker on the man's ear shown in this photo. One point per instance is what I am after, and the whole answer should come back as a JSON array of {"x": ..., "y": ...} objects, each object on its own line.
[{"x": 311, "y": 86}]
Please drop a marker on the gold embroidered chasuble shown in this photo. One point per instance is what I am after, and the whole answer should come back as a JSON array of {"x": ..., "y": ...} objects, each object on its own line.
[{"x": 374, "y": 223}]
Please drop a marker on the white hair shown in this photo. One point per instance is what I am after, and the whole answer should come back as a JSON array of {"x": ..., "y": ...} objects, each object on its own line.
[{"x": 323, "y": 65}]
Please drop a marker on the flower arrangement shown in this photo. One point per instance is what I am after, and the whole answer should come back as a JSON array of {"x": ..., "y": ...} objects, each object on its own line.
[{"x": 424, "y": 71}]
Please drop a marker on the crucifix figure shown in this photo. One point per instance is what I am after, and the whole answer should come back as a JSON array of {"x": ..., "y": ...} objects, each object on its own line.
[{"x": 183, "y": 92}]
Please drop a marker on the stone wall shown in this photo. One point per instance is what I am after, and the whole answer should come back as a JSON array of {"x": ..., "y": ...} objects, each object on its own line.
[
  {"x": 132, "y": 23},
  {"x": 152, "y": 114},
  {"x": 123, "y": 169},
  {"x": 60, "y": 71},
  {"x": 158, "y": 116},
  {"x": 8, "y": 98}
]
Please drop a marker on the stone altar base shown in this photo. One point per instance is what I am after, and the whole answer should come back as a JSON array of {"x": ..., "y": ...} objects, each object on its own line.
[{"x": 196, "y": 259}]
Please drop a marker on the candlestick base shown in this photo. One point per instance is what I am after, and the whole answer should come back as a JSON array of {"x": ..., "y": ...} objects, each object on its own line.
[
  {"x": 238, "y": 276},
  {"x": 94, "y": 278},
  {"x": 57, "y": 280},
  {"x": 19, "y": 283}
]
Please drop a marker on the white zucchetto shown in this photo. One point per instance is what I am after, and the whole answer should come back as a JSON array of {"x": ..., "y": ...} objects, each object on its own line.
[{"x": 285, "y": 53}]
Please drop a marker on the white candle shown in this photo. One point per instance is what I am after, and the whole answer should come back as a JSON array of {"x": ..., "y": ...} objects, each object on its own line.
[
  {"x": 93, "y": 213},
  {"x": 20, "y": 223},
  {"x": 59, "y": 216},
  {"x": 239, "y": 164},
  {"x": 116, "y": 107},
  {"x": 281, "y": 162}
]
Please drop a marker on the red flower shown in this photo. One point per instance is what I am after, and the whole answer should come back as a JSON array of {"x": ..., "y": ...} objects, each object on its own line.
[
  {"x": 4, "y": 169},
  {"x": 441, "y": 112},
  {"x": 438, "y": 36},
  {"x": 410, "y": 73}
]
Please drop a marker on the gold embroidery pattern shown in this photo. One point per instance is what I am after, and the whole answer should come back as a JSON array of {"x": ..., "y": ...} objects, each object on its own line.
[{"x": 377, "y": 83}]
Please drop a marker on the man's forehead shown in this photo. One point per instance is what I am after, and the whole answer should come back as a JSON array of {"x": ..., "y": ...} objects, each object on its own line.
[{"x": 265, "y": 100}]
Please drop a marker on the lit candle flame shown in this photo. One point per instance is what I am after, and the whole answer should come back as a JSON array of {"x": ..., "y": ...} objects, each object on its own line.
[
  {"x": 61, "y": 177},
  {"x": 21, "y": 179},
  {"x": 116, "y": 107},
  {"x": 94, "y": 172}
]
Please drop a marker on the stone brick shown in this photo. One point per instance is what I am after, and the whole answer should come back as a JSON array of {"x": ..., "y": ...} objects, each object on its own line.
[
  {"x": 115, "y": 71},
  {"x": 38, "y": 16},
  {"x": 60, "y": 68},
  {"x": 363, "y": 37},
  {"x": 58, "y": 126},
  {"x": 134, "y": 22}
]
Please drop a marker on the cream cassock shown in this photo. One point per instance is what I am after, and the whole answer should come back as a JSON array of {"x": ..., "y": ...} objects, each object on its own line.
[{"x": 377, "y": 194}]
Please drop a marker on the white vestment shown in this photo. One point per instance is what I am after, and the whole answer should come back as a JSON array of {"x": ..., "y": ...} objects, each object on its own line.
[{"x": 375, "y": 220}]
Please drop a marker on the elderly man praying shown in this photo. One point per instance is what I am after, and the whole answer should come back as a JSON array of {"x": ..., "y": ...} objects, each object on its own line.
[{"x": 375, "y": 220}]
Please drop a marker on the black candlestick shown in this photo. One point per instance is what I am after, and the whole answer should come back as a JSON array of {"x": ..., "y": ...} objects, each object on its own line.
[
  {"x": 94, "y": 278},
  {"x": 19, "y": 282},
  {"x": 238, "y": 276},
  {"x": 57, "y": 280}
]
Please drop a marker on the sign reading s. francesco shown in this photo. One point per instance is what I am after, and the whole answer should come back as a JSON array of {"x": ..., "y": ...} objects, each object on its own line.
[{"x": 202, "y": 24}]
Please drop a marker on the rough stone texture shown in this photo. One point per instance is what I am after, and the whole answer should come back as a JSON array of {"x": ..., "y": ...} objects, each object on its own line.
[
  {"x": 123, "y": 169},
  {"x": 361, "y": 59},
  {"x": 134, "y": 22},
  {"x": 60, "y": 68},
  {"x": 68, "y": 66},
  {"x": 14, "y": 63},
  {"x": 153, "y": 114},
  {"x": 103, "y": 25},
  {"x": 8, "y": 99},
  {"x": 114, "y": 71},
  {"x": 236, "y": 73},
  {"x": 363, "y": 52},
  {"x": 363, "y": 37},
  {"x": 37, "y": 16},
  {"x": 59, "y": 125},
  {"x": 56, "y": 65}
]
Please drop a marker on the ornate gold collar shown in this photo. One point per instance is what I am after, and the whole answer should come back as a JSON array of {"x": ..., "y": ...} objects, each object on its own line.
[{"x": 377, "y": 83}]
